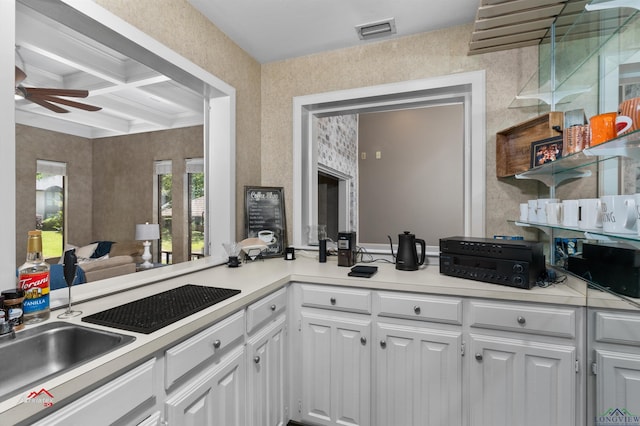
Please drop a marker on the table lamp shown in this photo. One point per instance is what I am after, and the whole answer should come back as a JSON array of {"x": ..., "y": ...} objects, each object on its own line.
[{"x": 146, "y": 232}]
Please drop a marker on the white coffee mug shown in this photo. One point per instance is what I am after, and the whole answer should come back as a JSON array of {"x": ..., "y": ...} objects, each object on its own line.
[
  {"x": 570, "y": 213},
  {"x": 266, "y": 236},
  {"x": 554, "y": 213},
  {"x": 532, "y": 214},
  {"x": 589, "y": 213},
  {"x": 524, "y": 212},
  {"x": 619, "y": 214},
  {"x": 541, "y": 210}
]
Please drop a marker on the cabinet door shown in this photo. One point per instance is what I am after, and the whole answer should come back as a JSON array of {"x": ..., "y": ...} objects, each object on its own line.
[
  {"x": 617, "y": 384},
  {"x": 336, "y": 368},
  {"x": 521, "y": 383},
  {"x": 419, "y": 376},
  {"x": 266, "y": 375},
  {"x": 216, "y": 397},
  {"x": 109, "y": 403}
]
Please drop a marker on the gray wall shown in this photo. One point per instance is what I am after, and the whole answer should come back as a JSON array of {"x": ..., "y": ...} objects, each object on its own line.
[{"x": 417, "y": 184}]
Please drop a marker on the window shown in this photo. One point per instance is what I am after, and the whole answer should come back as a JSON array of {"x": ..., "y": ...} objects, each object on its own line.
[
  {"x": 196, "y": 207},
  {"x": 50, "y": 206},
  {"x": 164, "y": 186}
]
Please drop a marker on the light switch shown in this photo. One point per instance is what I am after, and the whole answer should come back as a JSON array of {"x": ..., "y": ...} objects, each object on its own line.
[
  {"x": 363, "y": 156},
  {"x": 378, "y": 155}
]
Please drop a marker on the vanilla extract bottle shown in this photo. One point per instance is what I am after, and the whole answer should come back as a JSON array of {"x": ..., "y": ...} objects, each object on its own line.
[{"x": 33, "y": 278}]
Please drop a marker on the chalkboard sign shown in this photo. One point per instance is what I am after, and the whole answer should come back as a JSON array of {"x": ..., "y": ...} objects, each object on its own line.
[{"x": 264, "y": 217}]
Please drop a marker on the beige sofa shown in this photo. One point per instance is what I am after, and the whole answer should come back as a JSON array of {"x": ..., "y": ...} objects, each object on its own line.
[{"x": 122, "y": 259}]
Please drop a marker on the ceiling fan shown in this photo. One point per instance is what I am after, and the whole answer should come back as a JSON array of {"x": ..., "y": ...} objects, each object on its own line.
[{"x": 49, "y": 97}]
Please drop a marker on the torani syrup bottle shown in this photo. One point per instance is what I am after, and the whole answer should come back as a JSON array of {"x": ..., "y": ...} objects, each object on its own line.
[{"x": 33, "y": 278}]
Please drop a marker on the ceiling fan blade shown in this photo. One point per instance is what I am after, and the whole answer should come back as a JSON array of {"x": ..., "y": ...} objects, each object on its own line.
[
  {"x": 67, "y": 102},
  {"x": 73, "y": 93},
  {"x": 20, "y": 76},
  {"x": 47, "y": 105}
]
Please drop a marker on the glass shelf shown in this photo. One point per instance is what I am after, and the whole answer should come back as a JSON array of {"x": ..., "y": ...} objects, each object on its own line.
[
  {"x": 569, "y": 68},
  {"x": 573, "y": 166},
  {"x": 590, "y": 234}
]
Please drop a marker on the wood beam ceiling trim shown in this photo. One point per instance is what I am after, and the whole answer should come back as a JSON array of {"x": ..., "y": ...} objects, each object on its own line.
[
  {"x": 509, "y": 40},
  {"x": 525, "y": 27},
  {"x": 511, "y": 7}
]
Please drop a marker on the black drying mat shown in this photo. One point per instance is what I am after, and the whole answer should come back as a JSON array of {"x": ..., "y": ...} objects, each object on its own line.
[{"x": 154, "y": 312}]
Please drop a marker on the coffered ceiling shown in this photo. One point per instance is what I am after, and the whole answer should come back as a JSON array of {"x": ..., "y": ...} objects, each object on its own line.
[{"x": 134, "y": 98}]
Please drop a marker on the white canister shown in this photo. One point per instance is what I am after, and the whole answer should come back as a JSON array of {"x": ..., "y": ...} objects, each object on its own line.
[
  {"x": 619, "y": 214},
  {"x": 589, "y": 214},
  {"x": 570, "y": 213}
]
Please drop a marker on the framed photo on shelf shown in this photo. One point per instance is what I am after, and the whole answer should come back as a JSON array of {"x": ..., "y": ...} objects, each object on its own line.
[
  {"x": 264, "y": 217},
  {"x": 546, "y": 151}
]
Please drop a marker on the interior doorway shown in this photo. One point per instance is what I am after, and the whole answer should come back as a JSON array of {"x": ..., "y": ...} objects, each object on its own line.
[{"x": 329, "y": 204}]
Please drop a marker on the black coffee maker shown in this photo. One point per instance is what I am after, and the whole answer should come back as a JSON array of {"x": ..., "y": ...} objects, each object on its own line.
[{"x": 407, "y": 258}]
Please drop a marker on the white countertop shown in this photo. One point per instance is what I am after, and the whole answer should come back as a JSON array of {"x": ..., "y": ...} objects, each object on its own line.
[{"x": 255, "y": 280}]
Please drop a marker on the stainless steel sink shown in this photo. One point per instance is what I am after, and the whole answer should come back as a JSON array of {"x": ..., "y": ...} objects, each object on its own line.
[{"x": 38, "y": 353}]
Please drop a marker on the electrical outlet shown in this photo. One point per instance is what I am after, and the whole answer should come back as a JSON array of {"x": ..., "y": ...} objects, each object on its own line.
[{"x": 363, "y": 156}]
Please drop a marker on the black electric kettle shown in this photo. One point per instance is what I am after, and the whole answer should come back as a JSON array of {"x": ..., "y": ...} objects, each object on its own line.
[{"x": 407, "y": 258}]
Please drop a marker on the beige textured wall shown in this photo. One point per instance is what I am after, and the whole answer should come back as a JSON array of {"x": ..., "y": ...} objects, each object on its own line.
[
  {"x": 35, "y": 144},
  {"x": 182, "y": 28},
  {"x": 421, "y": 56},
  {"x": 123, "y": 173}
]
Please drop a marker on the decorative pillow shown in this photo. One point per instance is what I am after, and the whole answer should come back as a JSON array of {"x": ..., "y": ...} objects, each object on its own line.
[
  {"x": 85, "y": 252},
  {"x": 104, "y": 247}
]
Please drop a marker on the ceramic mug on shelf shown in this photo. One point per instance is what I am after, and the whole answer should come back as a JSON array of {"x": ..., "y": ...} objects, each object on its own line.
[
  {"x": 524, "y": 212},
  {"x": 619, "y": 214},
  {"x": 603, "y": 127},
  {"x": 541, "y": 210},
  {"x": 554, "y": 213},
  {"x": 589, "y": 214},
  {"x": 532, "y": 215},
  {"x": 629, "y": 116},
  {"x": 570, "y": 213}
]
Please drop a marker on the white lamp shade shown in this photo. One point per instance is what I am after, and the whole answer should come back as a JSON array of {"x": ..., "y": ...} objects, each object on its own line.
[{"x": 147, "y": 231}]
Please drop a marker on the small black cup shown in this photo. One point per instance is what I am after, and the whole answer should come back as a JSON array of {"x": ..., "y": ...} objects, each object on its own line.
[{"x": 234, "y": 262}]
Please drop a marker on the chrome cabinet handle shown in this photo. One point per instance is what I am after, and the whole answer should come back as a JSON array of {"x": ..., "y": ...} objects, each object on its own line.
[
  {"x": 333, "y": 300},
  {"x": 216, "y": 344},
  {"x": 417, "y": 309},
  {"x": 256, "y": 359},
  {"x": 383, "y": 344},
  {"x": 521, "y": 320},
  {"x": 363, "y": 340},
  {"x": 273, "y": 307},
  {"x": 478, "y": 357}
]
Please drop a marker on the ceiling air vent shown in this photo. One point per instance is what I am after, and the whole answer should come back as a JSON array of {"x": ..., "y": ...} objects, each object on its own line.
[{"x": 383, "y": 28}]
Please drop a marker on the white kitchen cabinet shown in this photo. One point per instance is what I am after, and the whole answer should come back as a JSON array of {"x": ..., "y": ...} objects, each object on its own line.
[
  {"x": 419, "y": 375},
  {"x": 418, "y": 359},
  {"x": 521, "y": 373},
  {"x": 616, "y": 363},
  {"x": 266, "y": 375},
  {"x": 121, "y": 401},
  {"x": 336, "y": 368},
  {"x": 216, "y": 396}
]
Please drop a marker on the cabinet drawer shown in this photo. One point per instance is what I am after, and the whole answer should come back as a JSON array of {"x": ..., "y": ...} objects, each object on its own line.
[
  {"x": 523, "y": 318},
  {"x": 617, "y": 328},
  {"x": 339, "y": 298},
  {"x": 109, "y": 403},
  {"x": 266, "y": 309},
  {"x": 420, "y": 307},
  {"x": 215, "y": 340}
]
